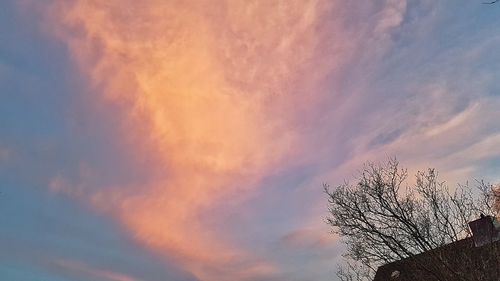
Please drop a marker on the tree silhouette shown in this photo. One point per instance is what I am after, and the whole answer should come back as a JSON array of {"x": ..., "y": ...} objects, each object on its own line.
[{"x": 382, "y": 218}]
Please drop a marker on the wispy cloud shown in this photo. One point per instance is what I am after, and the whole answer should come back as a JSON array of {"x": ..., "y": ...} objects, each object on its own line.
[
  {"x": 218, "y": 107},
  {"x": 201, "y": 90},
  {"x": 213, "y": 96},
  {"x": 88, "y": 271}
]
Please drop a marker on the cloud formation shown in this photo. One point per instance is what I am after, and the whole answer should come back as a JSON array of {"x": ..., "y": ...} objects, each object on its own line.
[
  {"x": 205, "y": 94},
  {"x": 218, "y": 106},
  {"x": 83, "y": 269},
  {"x": 212, "y": 98}
]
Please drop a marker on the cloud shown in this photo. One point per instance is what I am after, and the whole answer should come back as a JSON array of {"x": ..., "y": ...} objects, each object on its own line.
[
  {"x": 83, "y": 269},
  {"x": 205, "y": 93},
  {"x": 213, "y": 100},
  {"x": 391, "y": 16},
  {"x": 308, "y": 238}
]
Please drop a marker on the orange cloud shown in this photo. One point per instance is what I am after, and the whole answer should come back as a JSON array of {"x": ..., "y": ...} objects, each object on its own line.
[{"x": 207, "y": 95}]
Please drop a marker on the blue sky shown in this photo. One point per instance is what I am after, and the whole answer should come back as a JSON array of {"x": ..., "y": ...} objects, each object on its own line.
[{"x": 187, "y": 141}]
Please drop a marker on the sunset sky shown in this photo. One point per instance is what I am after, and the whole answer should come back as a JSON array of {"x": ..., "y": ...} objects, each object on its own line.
[{"x": 178, "y": 140}]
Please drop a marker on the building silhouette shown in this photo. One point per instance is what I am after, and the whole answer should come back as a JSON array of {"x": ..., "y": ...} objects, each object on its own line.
[{"x": 476, "y": 258}]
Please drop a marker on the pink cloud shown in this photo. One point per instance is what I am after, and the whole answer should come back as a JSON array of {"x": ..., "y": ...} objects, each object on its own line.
[{"x": 89, "y": 271}]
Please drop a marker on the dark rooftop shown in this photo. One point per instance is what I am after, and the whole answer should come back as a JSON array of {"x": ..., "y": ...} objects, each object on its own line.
[{"x": 475, "y": 258}]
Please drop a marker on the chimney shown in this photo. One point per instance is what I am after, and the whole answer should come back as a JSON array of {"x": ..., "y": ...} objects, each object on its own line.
[{"x": 485, "y": 230}]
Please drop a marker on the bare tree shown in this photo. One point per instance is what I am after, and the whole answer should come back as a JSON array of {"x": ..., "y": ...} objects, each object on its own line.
[
  {"x": 383, "y": 219},
  {"x": 496, "y": 199}
]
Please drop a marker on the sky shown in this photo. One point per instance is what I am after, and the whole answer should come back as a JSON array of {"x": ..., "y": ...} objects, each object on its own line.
[{"x": 189, "y": 140}]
